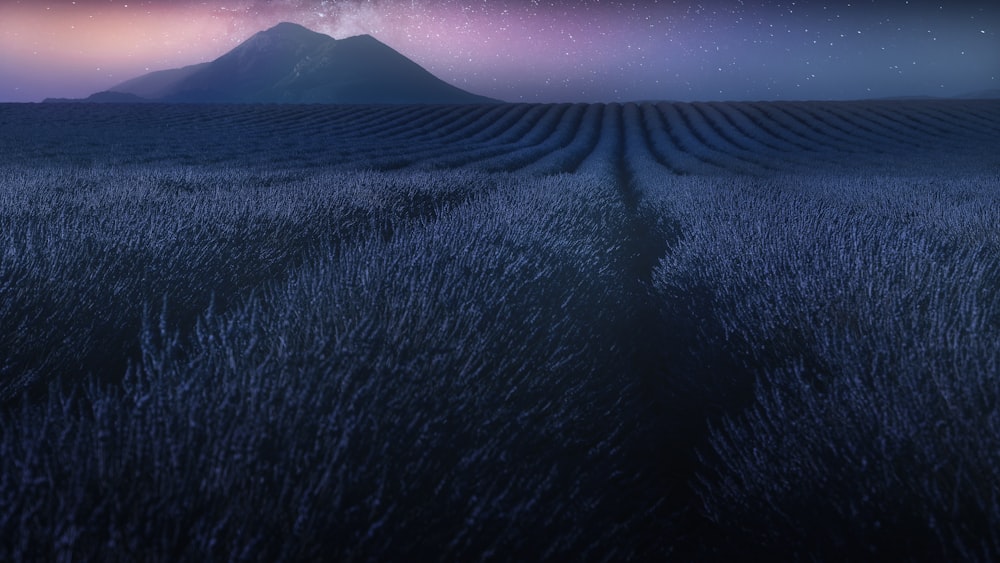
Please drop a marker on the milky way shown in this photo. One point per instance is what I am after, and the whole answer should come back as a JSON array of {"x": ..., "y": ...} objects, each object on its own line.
[{"x": 539, "y": 51}]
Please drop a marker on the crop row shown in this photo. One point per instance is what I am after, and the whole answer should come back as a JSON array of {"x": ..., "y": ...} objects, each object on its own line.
[
  {"x": 847, "y": 326},
  {"x": 745, "y": 325},
  {"x": 84, "y": 252},
  {"x": 353, "y": 365},
  {"x": 686, "y": 138}
]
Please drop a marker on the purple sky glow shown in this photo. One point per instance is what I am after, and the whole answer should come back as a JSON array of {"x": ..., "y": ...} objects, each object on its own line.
[{"x": 538, "y": 51}]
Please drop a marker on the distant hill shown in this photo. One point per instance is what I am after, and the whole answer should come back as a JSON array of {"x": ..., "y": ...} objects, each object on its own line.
[
  {"x": 102, "y": 98},
  {"x": 291, "y": 64},
  {"x": 977, "y": 95},
  {"x": 982, "y": 95}
]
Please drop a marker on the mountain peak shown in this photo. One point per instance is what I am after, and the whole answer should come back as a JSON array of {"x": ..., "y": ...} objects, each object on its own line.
[
  {"x": 291, "y": 30},
  {"x": 287, "y": 27},
  {"x": 285, "y": 35}
]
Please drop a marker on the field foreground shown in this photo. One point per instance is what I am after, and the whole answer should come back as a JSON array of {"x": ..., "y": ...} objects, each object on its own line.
[{"x": 669, "y": 331}]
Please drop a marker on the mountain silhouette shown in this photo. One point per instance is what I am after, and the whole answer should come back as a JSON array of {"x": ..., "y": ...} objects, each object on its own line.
[{"x": 291, "y": 64}]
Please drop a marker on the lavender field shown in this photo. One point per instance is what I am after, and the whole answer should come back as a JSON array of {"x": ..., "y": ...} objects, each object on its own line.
[{"x": 609, "y": 332}]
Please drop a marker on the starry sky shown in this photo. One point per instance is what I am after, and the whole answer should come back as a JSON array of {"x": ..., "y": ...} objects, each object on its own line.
[{"x": 538, "y": 50}]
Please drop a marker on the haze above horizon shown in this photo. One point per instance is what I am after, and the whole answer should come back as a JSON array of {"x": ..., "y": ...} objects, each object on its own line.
[{"x": 538, "y": 51}]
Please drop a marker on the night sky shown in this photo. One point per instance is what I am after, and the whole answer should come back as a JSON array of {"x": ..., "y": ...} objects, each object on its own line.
[{"x": 538, "y": 51}]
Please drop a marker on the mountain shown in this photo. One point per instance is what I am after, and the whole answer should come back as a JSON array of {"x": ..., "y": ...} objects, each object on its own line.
[{"x": 291, "y": 64}]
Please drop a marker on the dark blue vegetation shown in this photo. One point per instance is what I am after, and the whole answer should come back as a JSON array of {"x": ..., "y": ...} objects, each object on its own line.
[{"x": 665, "y": 331}]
